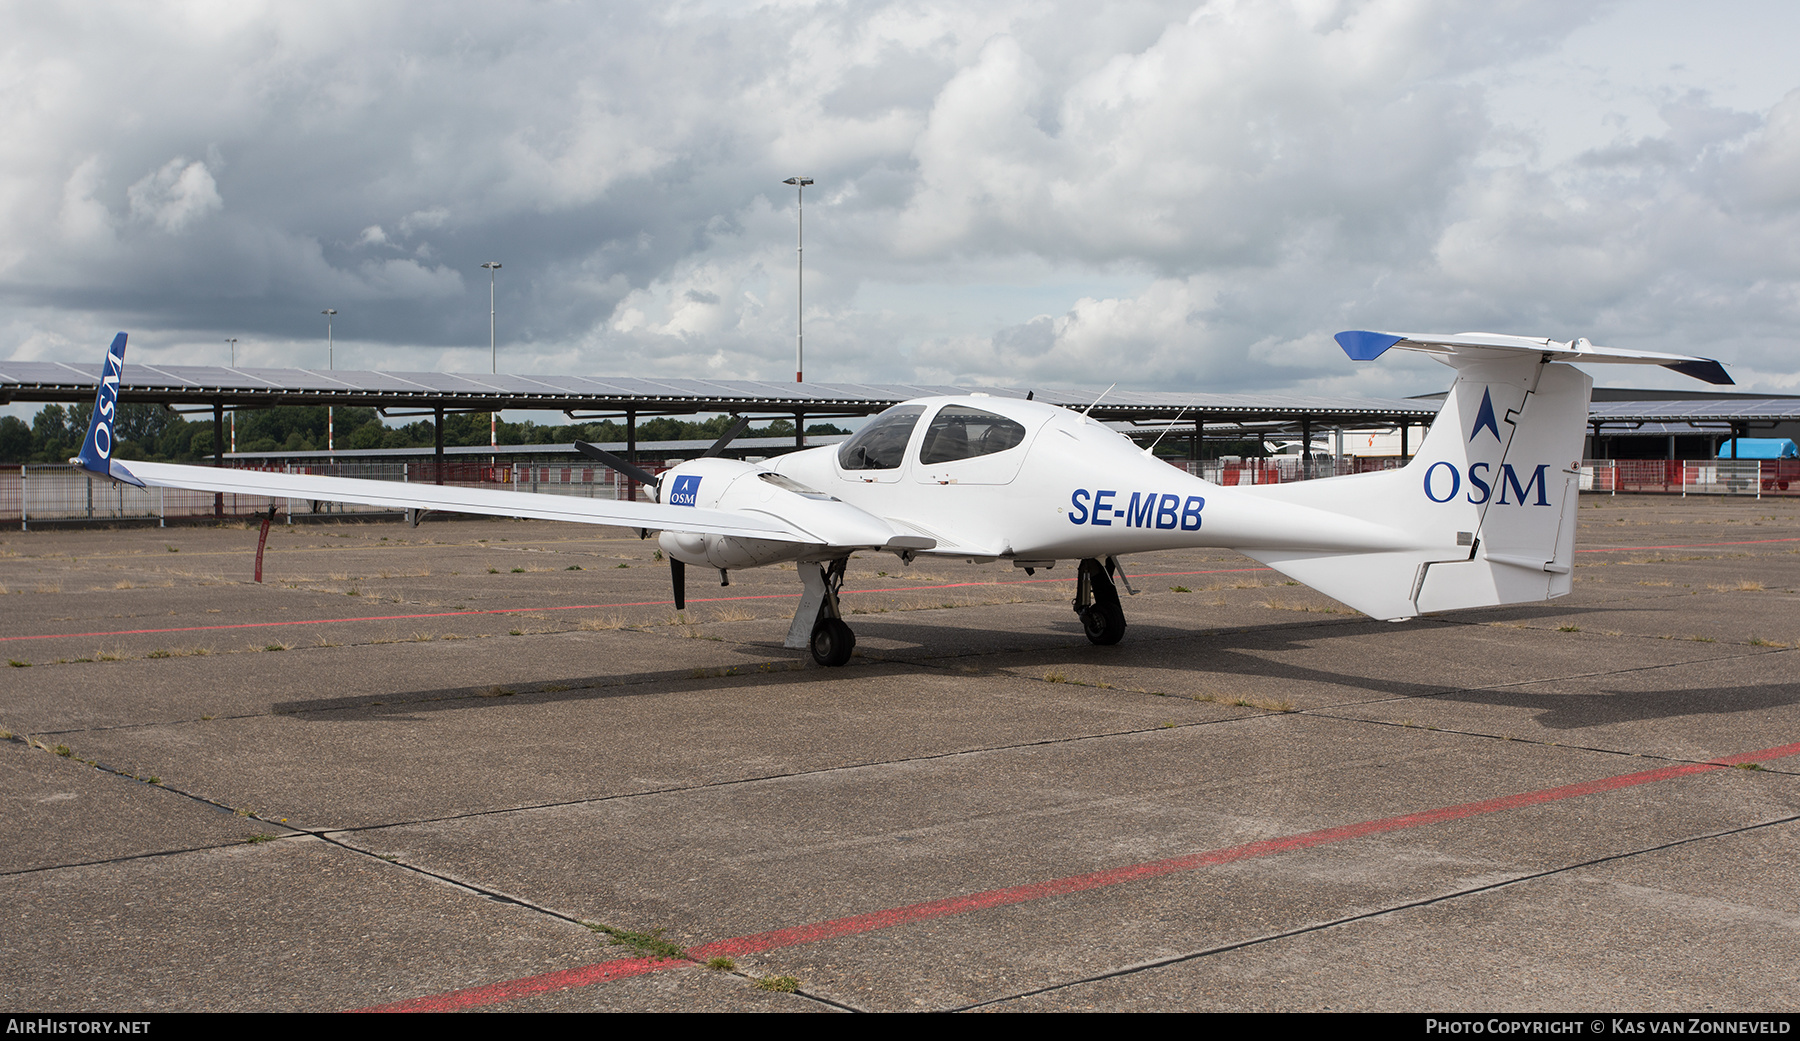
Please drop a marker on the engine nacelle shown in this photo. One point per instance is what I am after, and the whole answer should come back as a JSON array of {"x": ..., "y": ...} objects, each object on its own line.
[
  {"x": 831, "y": 527},
  {"x": 726, "y": 551},
  {"x": 729, "y": 484}
]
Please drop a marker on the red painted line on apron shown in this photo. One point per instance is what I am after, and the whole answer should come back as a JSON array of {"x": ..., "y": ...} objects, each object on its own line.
[
  {"x": 864, "y": 923},
  {"x": 547, "y": 983}
]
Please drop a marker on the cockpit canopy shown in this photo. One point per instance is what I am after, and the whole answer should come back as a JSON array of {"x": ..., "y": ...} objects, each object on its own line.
[
  {"x": 956, "y": 432},
  {"x": 961, "y": 432}
]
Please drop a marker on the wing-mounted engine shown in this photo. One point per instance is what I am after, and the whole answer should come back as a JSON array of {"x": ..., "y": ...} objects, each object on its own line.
[{"x": 836, "y": 527}]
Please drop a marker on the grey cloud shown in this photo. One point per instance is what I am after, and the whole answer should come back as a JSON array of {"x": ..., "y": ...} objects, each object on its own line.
[{"x": 1256, "y": 175}]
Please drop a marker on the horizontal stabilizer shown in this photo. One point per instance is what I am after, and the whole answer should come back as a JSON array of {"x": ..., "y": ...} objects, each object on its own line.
[{"x": 1459, "y": 348}]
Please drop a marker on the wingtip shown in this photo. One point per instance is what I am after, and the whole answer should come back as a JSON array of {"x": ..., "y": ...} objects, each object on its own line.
[
  {"x": 1704, "y": 369},
  {"x": 1362, "y": 345},
  {"x": 96, "y": 449}
]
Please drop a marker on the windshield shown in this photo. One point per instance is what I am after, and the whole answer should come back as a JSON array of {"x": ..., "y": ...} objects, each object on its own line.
[{"x": 882, "y": 444}]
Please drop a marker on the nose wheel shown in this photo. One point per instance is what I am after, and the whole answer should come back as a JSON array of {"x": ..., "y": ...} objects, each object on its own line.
[{"x": 1097, "y": 603}]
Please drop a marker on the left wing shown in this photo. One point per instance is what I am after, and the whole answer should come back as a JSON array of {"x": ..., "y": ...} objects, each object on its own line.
[
  {"x": 832, "y": 524},
  {"x": 407, "y": 496}
]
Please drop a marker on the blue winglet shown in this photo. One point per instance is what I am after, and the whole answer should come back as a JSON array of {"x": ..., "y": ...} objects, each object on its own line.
[
  {"x": 1366, "y": 346},
  {"x": 96, "y": 452},
  {"x": 1703, "y": 369}
]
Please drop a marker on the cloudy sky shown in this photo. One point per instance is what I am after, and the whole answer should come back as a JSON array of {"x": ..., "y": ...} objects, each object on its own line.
[{"x": 1186, "y": 195}]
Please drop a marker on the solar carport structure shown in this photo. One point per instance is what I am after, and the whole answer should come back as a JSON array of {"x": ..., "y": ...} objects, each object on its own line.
[
  {"x": 408, "y": 394},
  {"x": 1732, "y": 417}
]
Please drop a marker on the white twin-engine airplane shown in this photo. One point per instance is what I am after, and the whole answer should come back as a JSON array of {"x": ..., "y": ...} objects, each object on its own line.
[{"x": 1483, "y": 515}]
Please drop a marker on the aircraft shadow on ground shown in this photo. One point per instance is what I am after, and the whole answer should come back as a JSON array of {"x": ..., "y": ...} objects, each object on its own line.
[
  {"x": 1575, "y": 711},
  {"x": 1240, "y": 652},
  {"x": 399, "y": 705}
]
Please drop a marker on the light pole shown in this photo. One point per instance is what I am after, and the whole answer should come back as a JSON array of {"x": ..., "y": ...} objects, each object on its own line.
[
  {"x": 493, "y": 358},
  {"x": 492, "y": 266},
  {"x": 330, "y": 363},
  {"x": 799, "y": 184},
  {"x": 232, "y": 340}
]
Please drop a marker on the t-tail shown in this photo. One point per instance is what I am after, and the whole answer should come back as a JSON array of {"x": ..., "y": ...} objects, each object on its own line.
[
  {"x": 1488, "y": 505},
  {"x": 96, "y": 452}
]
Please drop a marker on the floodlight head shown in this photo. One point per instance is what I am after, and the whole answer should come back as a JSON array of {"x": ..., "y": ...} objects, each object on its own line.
[
  {"x": 800, "y": 182},
  {"x": 492, "y": 265}
]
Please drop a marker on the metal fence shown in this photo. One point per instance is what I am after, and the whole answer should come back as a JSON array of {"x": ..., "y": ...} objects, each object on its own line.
[
  {"x": 1281, "y": 469},
  {"x": 1751, "y": 477}
]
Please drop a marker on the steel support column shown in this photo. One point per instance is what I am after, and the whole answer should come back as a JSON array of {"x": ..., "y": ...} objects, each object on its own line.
[
  {"x": 218, "y": 454},
  {"x": 631, "y": 451}
]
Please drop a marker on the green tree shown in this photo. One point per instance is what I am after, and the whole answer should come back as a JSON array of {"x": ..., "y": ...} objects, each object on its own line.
[{"x": 15, "y": 440}]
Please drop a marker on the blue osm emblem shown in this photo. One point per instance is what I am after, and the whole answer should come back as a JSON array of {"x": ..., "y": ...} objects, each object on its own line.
[
  {"x": 685, "y": 490},
  {"x": 1484, "y": 417}
]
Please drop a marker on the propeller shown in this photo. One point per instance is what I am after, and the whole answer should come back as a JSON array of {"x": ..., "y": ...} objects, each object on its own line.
[
  {"x": 631, "y": 470},
  {"x": 743, "y": 423},
  {"x": 677, "y": 569}
]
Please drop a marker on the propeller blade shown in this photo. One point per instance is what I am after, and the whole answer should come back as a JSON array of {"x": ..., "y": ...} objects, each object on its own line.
[
  {"x": 678, "y": 578},
  {"x": 630, "y": 470},
  {"x": 742, "y": 424}
]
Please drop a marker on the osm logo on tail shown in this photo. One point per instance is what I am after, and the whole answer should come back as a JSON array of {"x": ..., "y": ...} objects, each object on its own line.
[{"x": 1443, "y": 482}]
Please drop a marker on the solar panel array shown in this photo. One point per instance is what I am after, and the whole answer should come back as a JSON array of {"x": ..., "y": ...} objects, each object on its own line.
[
  {"x": 1695, "y": 410},
  {"x": 240, "y": 388}
]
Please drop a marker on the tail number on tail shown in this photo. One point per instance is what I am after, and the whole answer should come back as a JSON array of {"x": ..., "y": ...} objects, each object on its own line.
[
  {"x": 1144, "y": 510},
  {"x": 1443, "y": 477}
]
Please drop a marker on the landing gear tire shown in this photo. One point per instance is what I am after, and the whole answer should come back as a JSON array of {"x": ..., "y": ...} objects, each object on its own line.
[
  {"x": 1104, "y": 623},
  {"x": 832, "y": 642},
  {"x": 1097, "y": 603}
]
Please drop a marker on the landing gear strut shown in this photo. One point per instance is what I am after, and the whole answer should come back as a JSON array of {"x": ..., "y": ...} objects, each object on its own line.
[
  {"x": 817, "y": 624},
  {"x": 1097, "y": 603}
]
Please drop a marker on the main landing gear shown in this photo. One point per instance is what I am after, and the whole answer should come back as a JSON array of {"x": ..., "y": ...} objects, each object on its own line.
[
  {"x": 1097, "y": 602},
  {"x": 817, "y": 624}
]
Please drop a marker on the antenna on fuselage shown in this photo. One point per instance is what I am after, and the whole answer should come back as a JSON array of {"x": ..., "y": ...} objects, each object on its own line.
[
  {"x": 1103, "y": 394},
  {"x": 1151, "y": 451}
]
